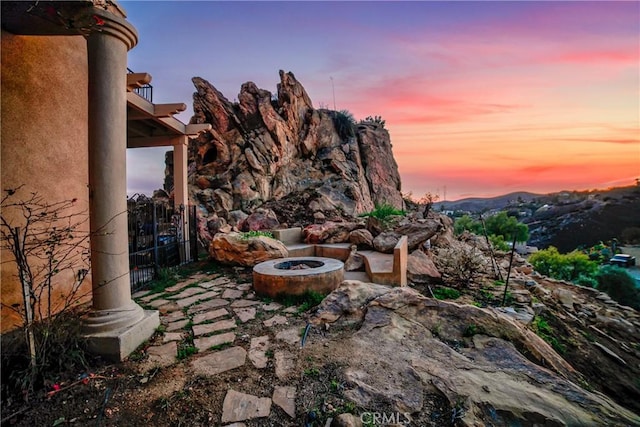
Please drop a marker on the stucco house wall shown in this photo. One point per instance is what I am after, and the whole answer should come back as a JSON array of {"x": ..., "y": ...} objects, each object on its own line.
[{"x": 44, "y": 136}]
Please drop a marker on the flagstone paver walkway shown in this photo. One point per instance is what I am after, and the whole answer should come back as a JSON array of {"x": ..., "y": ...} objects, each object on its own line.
[{"x": 215, "y": 315}]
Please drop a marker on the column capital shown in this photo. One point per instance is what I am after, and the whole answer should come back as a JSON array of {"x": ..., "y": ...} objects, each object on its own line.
[
  {"x": 106, "y": 22},
  {"x": 68, "y": 18}
]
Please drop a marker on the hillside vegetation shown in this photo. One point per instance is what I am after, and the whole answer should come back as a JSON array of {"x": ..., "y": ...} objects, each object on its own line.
[{"x": 567, "y": 219}]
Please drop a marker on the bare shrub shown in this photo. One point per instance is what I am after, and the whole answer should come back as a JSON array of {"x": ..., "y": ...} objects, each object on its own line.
[
  {"x": 49, "y": 242},
  {"x": 460, "y": 264}
]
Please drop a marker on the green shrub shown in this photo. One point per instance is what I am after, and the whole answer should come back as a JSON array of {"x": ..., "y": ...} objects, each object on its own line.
[
  {"x": 498, "y": 243},
  {"x": 304, "y": 302},
  {"x": 376, "y": 120},
  {"x": 620, "y": 286},
  {"x": 345, "y": 124},
  {"x": 186, "y": 351},
  {"x": 572, "y": 266},
  {"x": 312, "y": 372},
  {"x": 384, "y": 211},
  {"x": 542, "y": 328},
  {"x": 589, "y": 282},
  {"x": 498, "y": 225},
  {"x": 599, "y": 252},
  {"x": 446, "y": 293},
  {"x": 255, "y": 233},
  {"x": 472, "y": 330},
  {"x": 466, "y": 223},
  {"x": 504, "y": 225},
  {"x": 166, "y": 277}
]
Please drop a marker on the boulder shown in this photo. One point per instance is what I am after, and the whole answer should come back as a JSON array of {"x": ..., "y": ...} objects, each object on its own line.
[
  {"x": 260, "y": 219},
  {"x": 347, "y": 302},
  {"x": 525, "y": 269},
  {"x": 386, "y": 241},
  {"x": 237, "y": 217},
  {"x": 444, "y": 234},
  {"x": 328, "y": 232},
  {"x": 418, "y": 232},
  {"x": 361, "y": 237},
  {"x": 565, "y": 297},
  {"x": 215, "y": 224},
  {"x": 233, "y": 249},
  {"x": 377, "y": 225},
  {"x": 319, "y": 217},
  {"x": 346, "y": 420},
  {"x": 421, "y": 269},
  {"x": 382, "y": 170},
  {"x": 355, "y": 261}
]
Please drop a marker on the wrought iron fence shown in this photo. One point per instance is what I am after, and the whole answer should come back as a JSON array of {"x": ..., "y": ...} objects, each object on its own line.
[
  {"x": 157, "y": 239},
  {"x": 145, "y": 91}
]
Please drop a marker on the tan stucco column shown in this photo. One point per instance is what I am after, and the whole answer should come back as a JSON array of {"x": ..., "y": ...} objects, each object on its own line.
[
  {"x": 180, "y": 191},
  {"x": 116, "y": 325}
]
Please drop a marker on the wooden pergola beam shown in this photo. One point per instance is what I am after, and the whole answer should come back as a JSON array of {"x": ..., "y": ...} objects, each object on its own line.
[
  {"x": 194, "y": 129},
  {"x": 137, "y": 80},
  {"x": 168, "y": 110},
  {"x": 153, "y": 141}
]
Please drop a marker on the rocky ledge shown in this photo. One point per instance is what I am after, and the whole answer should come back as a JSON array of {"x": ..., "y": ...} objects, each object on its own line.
[{"x": 401, "y": 347}]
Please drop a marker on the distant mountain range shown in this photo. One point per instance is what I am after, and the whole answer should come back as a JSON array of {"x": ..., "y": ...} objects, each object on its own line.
[
  {"x": 567, "y": 219},
  {"x": 480, "y": 204}
]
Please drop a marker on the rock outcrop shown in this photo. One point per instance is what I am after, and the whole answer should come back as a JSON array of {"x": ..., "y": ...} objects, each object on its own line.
[
  {"x": 491, "y": 369},
  {"x": 268, "y": 147},
  {"x": 234, "y": 249}
]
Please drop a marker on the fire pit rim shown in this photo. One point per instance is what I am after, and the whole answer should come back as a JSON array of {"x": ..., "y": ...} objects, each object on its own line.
[
  {"x": 268, "y": 267},
  {"x": 288, "y": 265}
]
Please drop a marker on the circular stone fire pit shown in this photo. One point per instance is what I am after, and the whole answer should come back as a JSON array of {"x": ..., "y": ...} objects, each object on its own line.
[{"x": 295, "y": 276}]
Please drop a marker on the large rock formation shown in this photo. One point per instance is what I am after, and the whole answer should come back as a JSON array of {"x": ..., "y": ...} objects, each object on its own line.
[
  {"x": 269, "y": 147},
  {"x": 491, "y": 369}
]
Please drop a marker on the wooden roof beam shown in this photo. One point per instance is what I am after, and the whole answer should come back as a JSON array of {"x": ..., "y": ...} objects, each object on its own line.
[
  {"x": 154, "y": 141},
  {"x": 194, "y": 129},
  {"x": 168, "y": 110},
  {"x": 169, "y": 123},
  {"x": 137, "y": 80}
]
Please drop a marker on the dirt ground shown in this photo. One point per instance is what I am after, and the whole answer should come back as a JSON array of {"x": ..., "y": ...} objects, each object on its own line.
[
  {"x": 118, "y": 395},
  {"x": 127, "y": 394}
]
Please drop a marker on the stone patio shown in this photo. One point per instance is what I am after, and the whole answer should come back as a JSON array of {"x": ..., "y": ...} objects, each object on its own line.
[{"x": 216, "y": 313}]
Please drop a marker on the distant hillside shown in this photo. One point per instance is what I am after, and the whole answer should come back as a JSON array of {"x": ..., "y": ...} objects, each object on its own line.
[
  {"x": 570, "y": 220},
  {"x": 479, "y": 204},
  {"x": 567, "y": 219}
]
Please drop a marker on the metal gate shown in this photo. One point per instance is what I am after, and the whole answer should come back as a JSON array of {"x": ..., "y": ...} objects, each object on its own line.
[{"x": 156, "y": 238}]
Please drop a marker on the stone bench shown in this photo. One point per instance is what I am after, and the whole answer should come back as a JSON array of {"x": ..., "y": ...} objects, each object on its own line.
[
  {"x": 385, "y": 269},
  {"x": 293, "y": 240},
  {"x": 388, "y": 269}
]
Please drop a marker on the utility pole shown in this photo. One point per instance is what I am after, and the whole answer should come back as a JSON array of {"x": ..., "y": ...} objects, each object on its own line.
[
  {"x": 334, "y": 94},
  {"x": 506, "y": 285},
  {"x": 444, "y": 197}
]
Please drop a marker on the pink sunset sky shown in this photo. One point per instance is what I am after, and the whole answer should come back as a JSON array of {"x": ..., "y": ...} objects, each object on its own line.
[{"x": 480, "y": 98}]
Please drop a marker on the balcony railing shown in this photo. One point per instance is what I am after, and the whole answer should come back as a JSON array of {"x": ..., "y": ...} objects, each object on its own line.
[{"x": 145, "y": 91}]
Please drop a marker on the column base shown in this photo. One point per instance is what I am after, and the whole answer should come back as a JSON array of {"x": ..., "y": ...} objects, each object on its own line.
[{"x": 116, "y": 345}]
